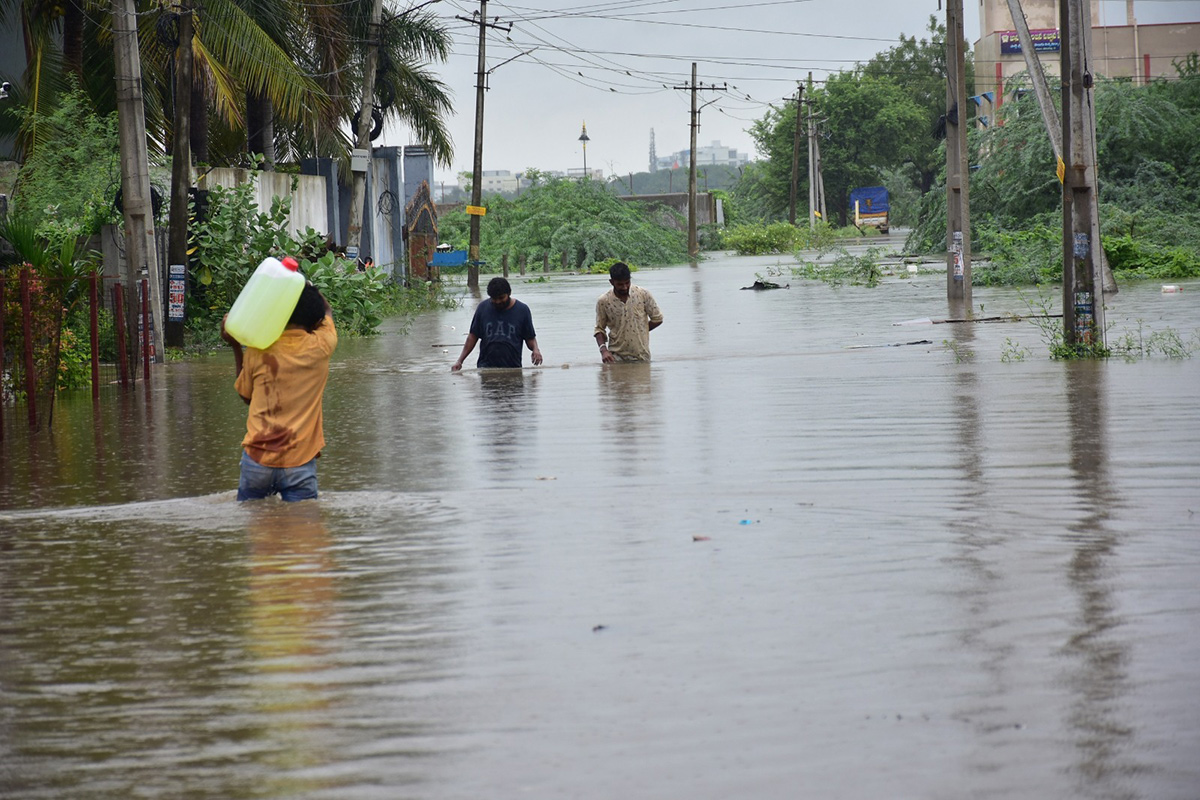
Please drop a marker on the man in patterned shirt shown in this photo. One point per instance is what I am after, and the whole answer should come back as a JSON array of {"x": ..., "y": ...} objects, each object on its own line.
[{"x": 624, "y": 318}]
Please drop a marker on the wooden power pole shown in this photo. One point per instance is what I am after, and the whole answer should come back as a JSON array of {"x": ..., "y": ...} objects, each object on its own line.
[
  {"x": 141, "y": 257},
  {"x": 958, "y": 214},
  {"x": 1083, "y": 310},
  {"x": 181, "y": 175}
]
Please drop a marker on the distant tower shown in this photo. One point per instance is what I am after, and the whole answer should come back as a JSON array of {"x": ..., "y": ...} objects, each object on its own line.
[
  {"x": 584, "y": 139},
  {"x": 653, "y": 155}
]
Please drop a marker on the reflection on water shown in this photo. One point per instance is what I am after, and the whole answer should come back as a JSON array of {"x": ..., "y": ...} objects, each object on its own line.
[
  {"x": 729, "y": 573},
  {"x": 630, "y": 415},
  {"x": 1099, "y": 656},
  {"x": 291, "y": 597},
  {"x": 507, "y": 417}
]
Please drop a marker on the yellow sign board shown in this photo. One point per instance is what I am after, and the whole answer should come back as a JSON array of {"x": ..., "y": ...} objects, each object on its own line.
[
  {"x": 476, "y": 211},
  {"x": 1061, "y": 171}
]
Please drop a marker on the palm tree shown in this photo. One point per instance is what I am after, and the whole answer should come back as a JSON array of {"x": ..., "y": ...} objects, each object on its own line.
[
  {"x": 407, "y": 89},
  {"x": 280, "y": 75}
]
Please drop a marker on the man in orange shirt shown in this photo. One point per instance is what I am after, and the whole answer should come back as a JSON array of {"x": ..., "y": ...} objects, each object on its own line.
[{"x": 283, "y": 385}]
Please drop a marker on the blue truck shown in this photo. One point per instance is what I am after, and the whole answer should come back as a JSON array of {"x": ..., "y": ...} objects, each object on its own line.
[{"x": 869, "y": 206}]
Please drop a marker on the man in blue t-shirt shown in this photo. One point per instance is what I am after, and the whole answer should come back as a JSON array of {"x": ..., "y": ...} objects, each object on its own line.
[{"x": 501, "y": 324}]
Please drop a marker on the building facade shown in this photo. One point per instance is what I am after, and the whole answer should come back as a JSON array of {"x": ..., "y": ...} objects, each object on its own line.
[
  {"x": 1140, "y": 53},
  {"x": 715, "y": 153}
]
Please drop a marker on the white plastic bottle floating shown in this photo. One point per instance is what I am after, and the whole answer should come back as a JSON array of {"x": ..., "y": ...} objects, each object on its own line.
[
  {"x": 1171, "y": 288},
  {"x": 266, "y": 303}
]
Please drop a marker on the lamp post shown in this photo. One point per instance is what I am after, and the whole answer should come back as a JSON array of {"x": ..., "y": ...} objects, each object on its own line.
[{"x": 583, "y": 137}]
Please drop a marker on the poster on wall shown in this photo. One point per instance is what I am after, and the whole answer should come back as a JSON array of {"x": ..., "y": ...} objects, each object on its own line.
[{"x": 176, "y": 292}]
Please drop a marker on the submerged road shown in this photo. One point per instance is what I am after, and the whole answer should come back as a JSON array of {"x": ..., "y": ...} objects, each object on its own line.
[{"x": 803, "y": 553}]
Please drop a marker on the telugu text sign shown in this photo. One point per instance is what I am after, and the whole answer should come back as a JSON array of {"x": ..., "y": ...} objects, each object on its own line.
[{"x": 1045, "y": 40}]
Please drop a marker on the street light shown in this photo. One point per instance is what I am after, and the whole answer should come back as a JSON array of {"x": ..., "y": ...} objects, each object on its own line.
[{"x": 583, "y": 137}]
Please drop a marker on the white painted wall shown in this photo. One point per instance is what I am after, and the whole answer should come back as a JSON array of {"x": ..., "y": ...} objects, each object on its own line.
[{"x": 308, "y": 198}]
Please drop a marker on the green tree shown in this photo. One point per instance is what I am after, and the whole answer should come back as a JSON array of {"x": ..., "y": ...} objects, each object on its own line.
[
  {"x": 580, "y": 218},
  {"x": 918, "y": 67},
  {"x": 866, "y": 125}
]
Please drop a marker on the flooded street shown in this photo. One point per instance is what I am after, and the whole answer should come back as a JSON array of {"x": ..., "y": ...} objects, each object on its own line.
[{"x": 797, "y": 555}]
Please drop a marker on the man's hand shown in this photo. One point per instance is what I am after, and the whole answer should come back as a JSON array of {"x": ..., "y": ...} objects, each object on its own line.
[
  {"x": 457, "y": 366},
  {"x": 537, "y": 357}
]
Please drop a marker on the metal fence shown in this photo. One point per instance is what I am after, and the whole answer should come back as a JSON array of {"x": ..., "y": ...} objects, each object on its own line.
[{"x": 61, "y": 334}]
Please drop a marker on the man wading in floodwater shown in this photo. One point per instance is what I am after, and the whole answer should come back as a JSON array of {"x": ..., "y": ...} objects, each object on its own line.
[
  {"x": 502, "y": 323},
  {"x": 624, "y": 318},
  {"x": 283, "y": 385}
]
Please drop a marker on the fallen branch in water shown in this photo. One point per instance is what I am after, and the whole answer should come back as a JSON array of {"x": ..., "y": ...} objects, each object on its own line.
[{"x": 1003, "y": 318}]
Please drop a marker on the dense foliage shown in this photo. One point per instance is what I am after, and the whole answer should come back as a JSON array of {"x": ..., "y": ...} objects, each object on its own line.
[
  {"x": 58, "y": 271},
  {"x": 755, "y": 239},
  {"x": 235, "y": 236},
  {"x": 272, "y": 77},
  {"x": 876, "y": 121},
  {"x": 1149, "y": 186},
  {"x": 66, "y": 187},
  {"x": 580, "y": 218}
]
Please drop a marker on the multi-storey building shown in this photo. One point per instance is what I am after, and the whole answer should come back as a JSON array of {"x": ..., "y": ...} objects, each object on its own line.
[
  {"x": 715, "y": 153},
  {"x": 1137, "y": 52}
]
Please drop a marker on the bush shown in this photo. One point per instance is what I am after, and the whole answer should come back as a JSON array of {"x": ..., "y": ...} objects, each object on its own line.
[
  {"x": 760, "y": 239},
  {"x": 860, "y": 270},
  {"x": 1130, "y": 258},
  {"x": 234, "y": 237},
  {"x": 358, "y": 299},
  {"x": 67, "y": 183},
  {"x": 1027, "y": 256},
  {"x": 580, "y": 218}
]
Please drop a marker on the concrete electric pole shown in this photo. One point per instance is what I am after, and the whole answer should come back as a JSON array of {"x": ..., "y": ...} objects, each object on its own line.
[
  {"x": 816, "y": 186},
  {"x": 141, "y": 257},
  {"x": 1041, "y": 88},
  {"x": 1083, "y": 309},
  {"x": 794, "y": 185},
  {"x": 477, "y": 165},
  {"x": 694, "y": 87},
  {"x": 958, "y": 213},
  {"x": 181, "y": 177},
  {"x": 362, "y": 138}
]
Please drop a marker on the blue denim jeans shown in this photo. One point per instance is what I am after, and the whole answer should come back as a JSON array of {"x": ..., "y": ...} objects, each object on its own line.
[{"x": 290, "y": 483}]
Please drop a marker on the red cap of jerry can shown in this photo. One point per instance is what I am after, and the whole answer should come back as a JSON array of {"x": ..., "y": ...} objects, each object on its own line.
[{"x": 291, "y": 263}]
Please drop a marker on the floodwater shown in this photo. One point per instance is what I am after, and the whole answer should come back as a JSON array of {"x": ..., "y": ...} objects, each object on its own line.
[{"x": 786, "y": 559}]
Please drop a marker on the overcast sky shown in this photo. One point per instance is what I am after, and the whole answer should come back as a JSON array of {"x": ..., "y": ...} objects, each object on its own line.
[{"x": 614, "y": 64}]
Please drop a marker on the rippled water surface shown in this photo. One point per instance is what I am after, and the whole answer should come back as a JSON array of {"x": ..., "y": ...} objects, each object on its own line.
[{"x": 797, "y": 555}]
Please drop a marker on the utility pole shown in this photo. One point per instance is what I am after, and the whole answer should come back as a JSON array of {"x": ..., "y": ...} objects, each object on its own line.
[
  {"x": 141, "y": 257},
  {"x": 1083, "y": 314},
  {"x": 1033, "y": 65},
  {"x": 694, "y": 87},
  {"x": 477, "y": 166},
  {"x": 816, "y": 202},
  {"x": 693, "y": 240},
  {"x": 794, "y": 187},
  {"x": 1041, "y": 89},
  {"x": 181, "y": 173},
  {"x": 822, "y": 211},
  {"x": 813, "y": 163},
  {"x": 362, "y": 138},
  {"x": 958, "y": 213}
]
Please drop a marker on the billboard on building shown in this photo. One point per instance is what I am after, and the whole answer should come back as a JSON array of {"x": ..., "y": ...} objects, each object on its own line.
[{"x": 1045, "y": 40}]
